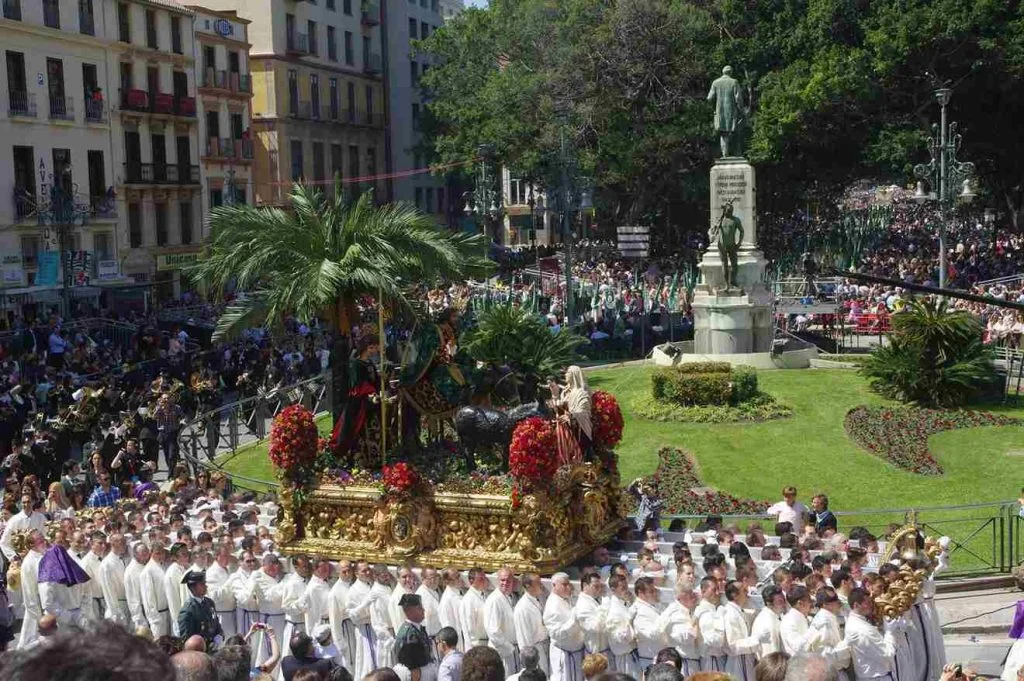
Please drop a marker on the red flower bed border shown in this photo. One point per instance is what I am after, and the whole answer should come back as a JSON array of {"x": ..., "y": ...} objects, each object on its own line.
[
  {"x": 676, "y": 480},
  {"x": 900, "y": 434}
]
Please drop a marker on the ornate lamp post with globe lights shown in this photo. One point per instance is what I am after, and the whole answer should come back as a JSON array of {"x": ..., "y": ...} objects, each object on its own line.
[
  {"x": 484, "y": 200},
  {"x": 57, "y": 211},
  {"x": 948, "y": 177}
]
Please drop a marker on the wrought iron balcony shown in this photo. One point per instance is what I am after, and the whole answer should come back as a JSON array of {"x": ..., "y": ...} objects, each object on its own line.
[
  {"x": 95, "y": 111},
  {"x": 134, "y": 100},
  {"x": 62, "y": 108},
  {"x": 297, "y": 43},
  {"x": 22, "y": 104}
]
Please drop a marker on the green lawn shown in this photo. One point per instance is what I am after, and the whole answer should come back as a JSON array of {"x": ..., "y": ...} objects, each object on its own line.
[
  {"x": 811, "y": 450},
  {"x": 252, "y": 461}
]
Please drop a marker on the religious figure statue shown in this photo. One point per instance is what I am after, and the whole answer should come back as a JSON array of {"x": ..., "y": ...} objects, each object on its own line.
[
  {"x": 573, "y": 424},
  {"x": 728, "y": 234},
  {"x": 727, "y": 96},
  {"x": 357, "y": 434}
]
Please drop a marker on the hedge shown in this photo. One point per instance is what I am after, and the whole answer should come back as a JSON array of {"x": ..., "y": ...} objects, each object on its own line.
[{"x": 688, "y": 385}]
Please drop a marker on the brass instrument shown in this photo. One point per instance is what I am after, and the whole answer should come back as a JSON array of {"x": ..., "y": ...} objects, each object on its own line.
[
  {"x": 83, "y": 414},
  {"x": 917, "y": 566}
]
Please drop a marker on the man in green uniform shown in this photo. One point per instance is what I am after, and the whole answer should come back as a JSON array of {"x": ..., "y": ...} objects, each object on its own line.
[
  {"x": 199, "y": 615},
  {"x": 412, "y": 645}
]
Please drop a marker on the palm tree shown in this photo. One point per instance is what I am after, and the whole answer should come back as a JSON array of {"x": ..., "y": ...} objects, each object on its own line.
[{"x": 320, "y": 257}]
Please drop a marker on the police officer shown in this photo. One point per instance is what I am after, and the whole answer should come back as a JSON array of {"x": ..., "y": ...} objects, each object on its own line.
[
  {"x": 412, "y": 645},
  {"x": 199, "y": 615}
]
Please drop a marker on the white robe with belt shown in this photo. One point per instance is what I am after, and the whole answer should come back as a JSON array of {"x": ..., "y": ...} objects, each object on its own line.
[
  {"x": 591, "y": 616},
  {"x": 741, "y": 646},
  {"x": 358, "y": 601},
  {"x": 220, "y": 591},
  {"x": 383, "y": 626},
  {"x": 30, "y": 598},
  {"x": 830, "y": 642},
  {"x": 112, "y": 583},
  {"x": 873, "y": 653},
  {"x": 448, "y": 613},
  {"x": 650, "y": 627},
  {"x": 93, "y": 606},
  {"x": 154, "y": 599},
  {"x": 343, "y": 631},
  {"x": 173, "y": 592},
  {"x": 567, "y": 651},
  {"x": 683, "y": 633},
  {"x": 712, "y": 632},
  {"x": 797, "y": 634},
  {"x": 621, "y": 637},
  {"x": 431, "y": 606},
  {"x": 471, "y": 617},
  {"x": 133, "y": 593},
  {"x": 767, "y": 627},
  {"x": 530, "y": 630},
  {"x": 499, "y": 623}
]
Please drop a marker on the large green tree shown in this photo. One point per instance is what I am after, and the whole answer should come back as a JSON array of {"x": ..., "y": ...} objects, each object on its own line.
[
  {"x": 320, "y": 256},
  {"x": 842, "y": 89}
]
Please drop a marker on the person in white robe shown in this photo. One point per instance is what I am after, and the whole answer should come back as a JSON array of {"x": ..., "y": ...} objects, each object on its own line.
[
  {"x": 471, "y": 610},
  {"x": 591, "y": 614},
  {"x": 175, "y": 592},
  {"x": 243, "y": 586},
  {"x": 873, "y": 653},
  {"x": 343, "y": 631},
  {"x": 797, "y": 634},
  {"x": 451, "y": 603},
  {"x": 380, "y": 616},
  {"x": 648, "y": 623},
  {"x": 430, "y": 597},
  {"x": 682, "y": 631},
  {"x": 293, "y": 598},
  {"x": 154, "y": 596},
  {"x": 830, "y": 642},
  {"x": 768, "y": 621},
  {"x": 24, "y": 520},
  {"x": 267, "y": 592},
  {"x": 566, "y": 650},
  {"x": 499, "y": 621},
  {"x": 405, "y": 584},
  {"x": 740, "y": 646},
  {"x": 712, "y": 631},
  {"x": 528, "y": 616},
  {"x": 317, "y": 596},
  {"x": 359, "y": 599},
  {"x": 619, "y": 627},
  {"x": 221, "y": 591},
  {"x": 30, "y": 590},
  {"x": 62, "y": 583},
  {"x": 133, "y": 584},
  {"x": 112, "y": 581},
  {"x": 93, "y": 606}
]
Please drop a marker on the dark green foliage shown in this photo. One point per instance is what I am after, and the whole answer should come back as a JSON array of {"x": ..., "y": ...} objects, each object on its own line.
[
  {"x": 935, "y": 357},
  {"x": 744, "y": 384},
  {"x": 704, "y": 384},
  {"x": 704, "y": 368}
]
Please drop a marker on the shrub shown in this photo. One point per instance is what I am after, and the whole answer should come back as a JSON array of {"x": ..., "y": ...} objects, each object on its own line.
[
  {"x": 744, "y": 384},
  {"x": 759, "y": 408},
  {"x": 685, "y": 386}
]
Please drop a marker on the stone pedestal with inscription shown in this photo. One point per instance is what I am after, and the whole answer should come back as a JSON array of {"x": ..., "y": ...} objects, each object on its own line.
[{"x": 733, "y": 319}]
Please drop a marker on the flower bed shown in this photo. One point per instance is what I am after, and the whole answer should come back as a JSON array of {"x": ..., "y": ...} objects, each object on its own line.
[
  {"x": 900, "y": 434},
  {"x": 759, "y": 408},
  {"x": 679, "y": 485}
]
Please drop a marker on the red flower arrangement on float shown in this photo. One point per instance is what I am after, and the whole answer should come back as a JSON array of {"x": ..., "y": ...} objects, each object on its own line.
[
  {"x": 533, "y": 453},
  {"x": 294, "y": 441},
  {"x": 400, "y": 479},
  {"x": 607, "y": 420}
]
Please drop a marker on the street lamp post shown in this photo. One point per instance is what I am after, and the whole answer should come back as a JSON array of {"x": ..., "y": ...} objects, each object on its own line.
[
  {"x": 483, "y": 200},
  {"x": 573, "y": 196},
  {"x": 945, "y": 173},
  {"x": 57, "y": 209}
]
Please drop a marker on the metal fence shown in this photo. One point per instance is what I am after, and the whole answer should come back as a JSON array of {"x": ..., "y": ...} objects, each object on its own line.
[
  {"x": 215, "y": 437},
  {"x": 985, "y": 539}
]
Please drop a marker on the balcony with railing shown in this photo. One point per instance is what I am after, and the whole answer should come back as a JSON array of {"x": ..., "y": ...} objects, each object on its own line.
[
  {"x": 185, "y": 106},
  {"x": 12, "y": 10},
  {"x": 371, "y": 63},
  {"x": 215, "y": 79},
  {"x": 103, "y": 205},
  {"x": 95, "y": 111},
  {"x": 21, "y": 104},
  {"x": 163, "y": 103},
  {"x": 138, "y": 173},
  {"x": 300, "y": 109},
  {"x": 229, "y": 148},
  {"x": 297, "y": 43},
  {"x": 62, "y": 108},
  {"x": 182, "y": 174},
  {"x": 24, "y": 202},
  {"x": 244, "y": 82},
  {"x": 135, "y": 100},
  {"x": 370, "y": 12}
]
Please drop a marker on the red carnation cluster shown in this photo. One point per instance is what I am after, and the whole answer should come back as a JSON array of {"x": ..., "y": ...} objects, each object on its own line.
[
  {"x": 607, "y": 420},
  {"x": 533, "y": 454},
  {"x": 293, "y": 439},
  {"x": 400, "y": 478}
]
